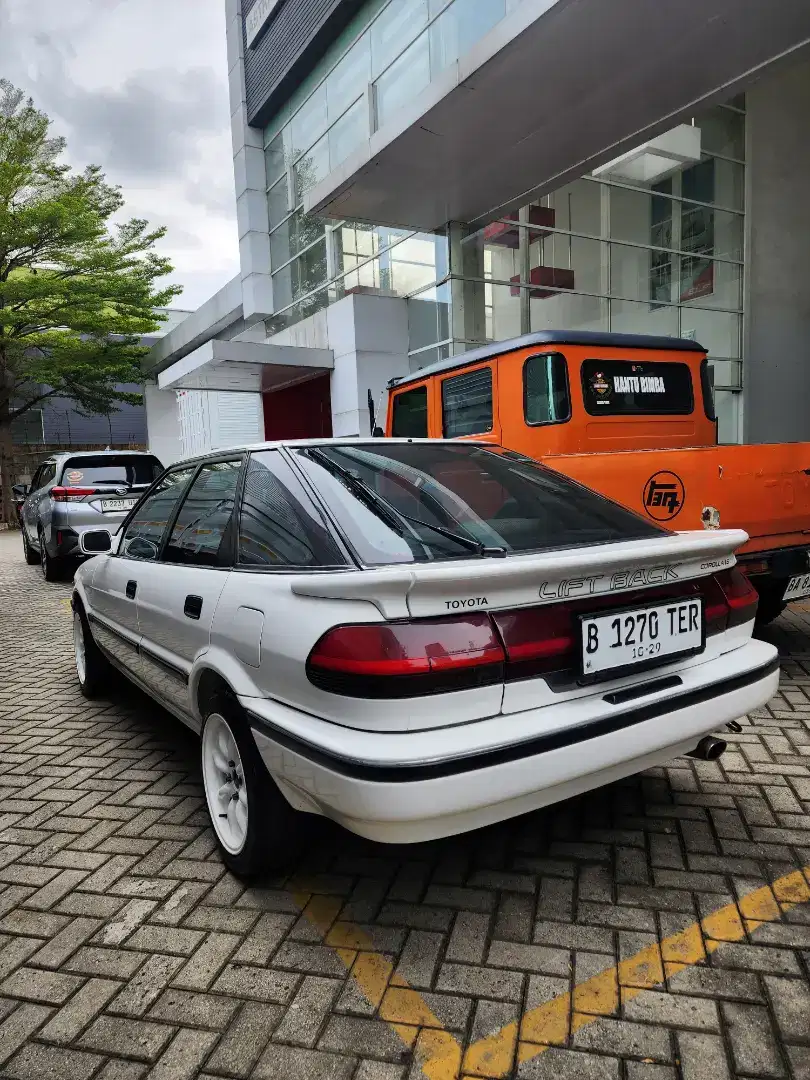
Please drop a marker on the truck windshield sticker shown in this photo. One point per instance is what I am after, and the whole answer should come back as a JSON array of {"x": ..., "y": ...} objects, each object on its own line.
[{"x": 623, "y": 387}]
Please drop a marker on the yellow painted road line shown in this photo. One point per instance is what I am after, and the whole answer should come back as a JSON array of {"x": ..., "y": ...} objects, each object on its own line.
[
  {"x": 440, "y": 1054},
  {"x": 548, "y": 1024}
]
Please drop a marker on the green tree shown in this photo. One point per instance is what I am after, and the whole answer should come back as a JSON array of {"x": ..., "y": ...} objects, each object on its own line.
[{"x": 76, "y": 291}]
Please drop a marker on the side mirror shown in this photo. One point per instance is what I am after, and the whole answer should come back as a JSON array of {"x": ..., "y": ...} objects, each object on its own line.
[
  {"x": 95, "y": 542},
  {"x": 378, "y": 433},
  {"x": 20, "y": 490},
  {"x": 141, "y": 548}
]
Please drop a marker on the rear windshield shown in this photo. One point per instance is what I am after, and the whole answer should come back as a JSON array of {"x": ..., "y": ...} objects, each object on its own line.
[
  {"x": 401, "y": 503},
  {"x": 622, "y": 387},
  {"x": 120, "y": 471}
]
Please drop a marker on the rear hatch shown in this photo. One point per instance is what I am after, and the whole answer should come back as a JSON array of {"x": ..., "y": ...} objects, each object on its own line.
[
  {"x": 556, "y": 584},
  {"x": 107, "y": 483}
]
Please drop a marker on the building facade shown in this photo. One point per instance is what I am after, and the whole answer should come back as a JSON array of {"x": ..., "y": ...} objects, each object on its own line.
[{"x": 417, "y": 177}]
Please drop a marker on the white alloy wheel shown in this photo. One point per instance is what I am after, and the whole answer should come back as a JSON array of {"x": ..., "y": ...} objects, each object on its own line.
[
  {"x": 224, "y": 781},
  {"x": 79, "y": 648}
]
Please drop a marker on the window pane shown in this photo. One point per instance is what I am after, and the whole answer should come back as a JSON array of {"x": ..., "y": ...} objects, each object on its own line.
[
  {"x": 467, "y": 403},
  {"x": 309, "y": 122},
  {"x": 393, "y": 29},
  {"x": 311, "y": 168},
  {"x": 573, "y": 311},
  {"x": 463, "y": 24},
  {"x": 484, "y": 494},
  {"x": 722, "y": 132},
  {"x": 296, "y": 233},
  {"x": 717, "y": 331},
  {"x": 127, "y": 470},
  {"x": 309, "y": 270},
  {"x": 201, "y": 526},
  {"x": 275, "y": 159},
  {"x": 279, "y": 525},
  {"x": 410, "y": 414},
  {"x": 278, "y": 202},
  {"x": 403, "y": 80},
  {"x": 625, "y": 387},
  {"x": 545, "y": 389},
  {"x": 348, "y": 133},
  {"x": 144, "y": 533},
  {"x": 349, "y": 78},
  {"x": 628, "y": 317}
]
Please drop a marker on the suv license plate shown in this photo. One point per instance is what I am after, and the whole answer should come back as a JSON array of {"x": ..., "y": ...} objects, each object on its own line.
[
  {"x": 798, "y": 588},
  {"x": 117, "y": 504},
  {"x": 641, "y": 637}
]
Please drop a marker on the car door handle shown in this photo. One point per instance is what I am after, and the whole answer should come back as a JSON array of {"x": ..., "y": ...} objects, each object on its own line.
[
  {"x": 132, "y": 588},
  {"x": 193, "y": 607}
]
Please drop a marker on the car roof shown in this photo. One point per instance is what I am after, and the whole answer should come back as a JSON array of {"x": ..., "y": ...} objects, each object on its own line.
[
  {"x": 550, "y": 337},
  {"x": 279, "y": 444}
]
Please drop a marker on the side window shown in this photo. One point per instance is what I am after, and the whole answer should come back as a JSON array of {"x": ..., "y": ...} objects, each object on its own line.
[
  {"x": 46, "y": 476},
  {"x": 545, "y": 389},
  {"x": 199, "y": 534},
  {"x": 146, "y": 527},
  {"x": 467, "y": 403},
  {"x": 410, "y": 419},
  {"x": 279, "y": 525},
  {"x": 36, "y": 479}
]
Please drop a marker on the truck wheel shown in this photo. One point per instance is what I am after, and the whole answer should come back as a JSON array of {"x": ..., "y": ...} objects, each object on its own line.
[
  {"x": 256, "y": 828},
  {"x": 771, "y": 605}
]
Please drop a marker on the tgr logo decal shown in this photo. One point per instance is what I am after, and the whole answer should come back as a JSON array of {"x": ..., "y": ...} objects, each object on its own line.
[{"x": 664, "y": 496}]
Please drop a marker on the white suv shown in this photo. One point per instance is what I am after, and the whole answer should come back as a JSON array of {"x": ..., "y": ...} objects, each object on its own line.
[{"x": 413, "y": 637}]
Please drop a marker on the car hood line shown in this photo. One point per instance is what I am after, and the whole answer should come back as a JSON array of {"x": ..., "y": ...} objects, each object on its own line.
[{"x": 435, "y": 588}]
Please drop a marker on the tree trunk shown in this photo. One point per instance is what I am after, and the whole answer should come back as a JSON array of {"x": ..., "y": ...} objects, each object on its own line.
[{"x": 7, "y": 512}]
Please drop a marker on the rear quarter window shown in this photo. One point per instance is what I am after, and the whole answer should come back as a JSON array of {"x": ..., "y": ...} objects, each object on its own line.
[
  {"x": 467, "y": 403},
  {"x": 627, "y": 388}
]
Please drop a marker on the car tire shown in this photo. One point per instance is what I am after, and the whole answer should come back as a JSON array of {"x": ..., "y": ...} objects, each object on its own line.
[
  {"x": 51, "y": 569},
  {"x": 256, "y": 828},
  {"x": 93, "y": 669},
  {"x": 30, "y": 556}
]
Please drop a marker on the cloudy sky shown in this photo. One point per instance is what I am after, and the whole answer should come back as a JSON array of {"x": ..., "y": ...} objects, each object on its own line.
[{"x": 140, "y": 88}]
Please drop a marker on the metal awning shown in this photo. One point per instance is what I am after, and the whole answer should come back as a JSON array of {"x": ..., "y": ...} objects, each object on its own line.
[{"x": 244, "y": 366}]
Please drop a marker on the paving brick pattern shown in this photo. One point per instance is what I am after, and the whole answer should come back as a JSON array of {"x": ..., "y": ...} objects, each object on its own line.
[{"x": 127, "y": 951}]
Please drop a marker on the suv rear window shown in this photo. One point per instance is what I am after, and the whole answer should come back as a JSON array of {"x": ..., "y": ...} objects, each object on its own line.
[
  {"x": 124, "y": 470},
  {"x": 624, "y": 387},
  {"x": 401, "y": 502}
]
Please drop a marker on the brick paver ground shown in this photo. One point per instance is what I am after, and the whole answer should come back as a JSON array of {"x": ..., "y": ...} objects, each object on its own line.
[{"x": 128, "y": 951}]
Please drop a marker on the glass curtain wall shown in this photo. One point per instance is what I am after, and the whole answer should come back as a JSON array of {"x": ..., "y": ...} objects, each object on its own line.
[
  {"x": 610, "y": 254},
  {"x": 391, "y": 51}
]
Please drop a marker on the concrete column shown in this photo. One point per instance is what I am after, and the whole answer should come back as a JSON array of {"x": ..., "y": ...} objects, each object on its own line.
[
  {"x": 250, "y": 178},
  {"x": 776, "y": 376},
  {"x": 162, "y": 424}
]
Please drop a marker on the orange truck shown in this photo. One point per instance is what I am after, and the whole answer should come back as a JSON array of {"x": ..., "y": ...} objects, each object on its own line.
[{"x": 633, "y": 417}]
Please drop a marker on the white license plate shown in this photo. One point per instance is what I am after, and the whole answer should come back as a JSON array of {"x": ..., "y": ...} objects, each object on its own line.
[
  {"x": 798, "y": 588},
  {"x": 641, "y": 636},
  {"x": 117, "y": 504}
]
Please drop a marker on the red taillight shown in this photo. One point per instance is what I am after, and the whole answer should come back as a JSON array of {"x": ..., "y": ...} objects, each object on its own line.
[
  {"x": 741, "y": 596},
  {"x": 537, "y": 639},
  {"x": 62, "y": 494},
  {"x": 407, "y": 659}
]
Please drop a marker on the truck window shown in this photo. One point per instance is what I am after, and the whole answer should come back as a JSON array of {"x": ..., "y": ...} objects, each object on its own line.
[
  {"x": 545, "y": 389},
  {"x": 410, "y": 414},
  {"x": 623, "y": 387},
  {"x": 467, "y": 403}
]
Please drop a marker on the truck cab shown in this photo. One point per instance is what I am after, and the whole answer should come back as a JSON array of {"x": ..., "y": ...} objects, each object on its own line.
[
  {"x": 632, "y": 417},
  {"x": 567, "y": 392}
]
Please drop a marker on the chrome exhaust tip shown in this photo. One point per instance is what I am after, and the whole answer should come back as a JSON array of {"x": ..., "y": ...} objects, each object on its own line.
[{"x": 709, "y": 748}]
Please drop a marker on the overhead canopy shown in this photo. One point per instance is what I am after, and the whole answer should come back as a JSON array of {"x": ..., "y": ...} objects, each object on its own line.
[
  {"x": 555, "y": 89},
  {"x": 244, "y": 366}
]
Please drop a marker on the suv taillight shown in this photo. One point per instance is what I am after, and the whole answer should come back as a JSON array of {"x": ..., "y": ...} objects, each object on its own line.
[
  {"x": 62, "y": 494},
  {"x": 407, "y": 659}
]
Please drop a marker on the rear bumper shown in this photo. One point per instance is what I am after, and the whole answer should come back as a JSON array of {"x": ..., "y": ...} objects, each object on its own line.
[{"x": 418, "y": 786}]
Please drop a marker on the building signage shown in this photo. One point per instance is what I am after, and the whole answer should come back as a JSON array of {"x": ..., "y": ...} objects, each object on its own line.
[{"x": 258, "y": 17}]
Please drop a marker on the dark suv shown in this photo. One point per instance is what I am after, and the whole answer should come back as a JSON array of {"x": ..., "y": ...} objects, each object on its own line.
[{"x": 71, "y": 493}]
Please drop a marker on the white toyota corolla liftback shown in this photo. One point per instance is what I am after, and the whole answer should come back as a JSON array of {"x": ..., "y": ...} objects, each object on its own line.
[{"x": 413, "y": 637}]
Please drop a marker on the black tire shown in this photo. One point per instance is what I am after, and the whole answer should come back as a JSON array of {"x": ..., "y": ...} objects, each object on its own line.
[
  {"x": 771, "y": 605},
  {"x": 30, "y": 556},
  {"x": 51, "y": 568},
  {"x": 273, "y": 830},
  {"x": 94, "y": 674}
]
